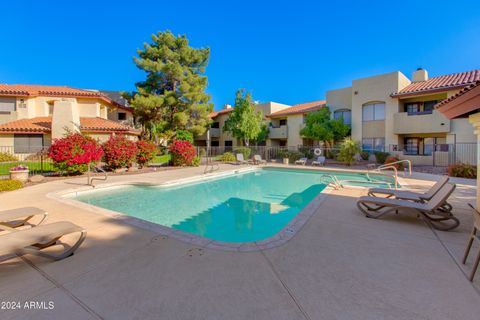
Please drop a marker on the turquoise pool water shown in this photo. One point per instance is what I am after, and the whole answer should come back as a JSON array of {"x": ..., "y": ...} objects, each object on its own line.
[{"x": 242, "y": 207}]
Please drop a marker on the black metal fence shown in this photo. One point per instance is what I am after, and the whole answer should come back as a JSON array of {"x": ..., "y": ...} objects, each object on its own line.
[
  {"x": 37, "y": 163},
  {"x": 439, "y": 155}
]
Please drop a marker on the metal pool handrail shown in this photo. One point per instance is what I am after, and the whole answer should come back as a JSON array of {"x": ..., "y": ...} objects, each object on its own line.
[
  {"x": 333, "y": 181},
  {"x": 90, "y": 179},
  {"x": 385, "y": 167},
  {"x": 398, "y": 162}
]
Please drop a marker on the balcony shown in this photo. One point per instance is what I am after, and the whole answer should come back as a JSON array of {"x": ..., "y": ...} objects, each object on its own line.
[
  {"x": 280, "y": 132},
  {"x": 214, "y": 132},
  {"x": 412, "y": 123}
]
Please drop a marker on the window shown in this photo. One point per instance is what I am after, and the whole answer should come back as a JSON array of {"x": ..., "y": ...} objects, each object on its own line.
[
  {"x": 283, "y": 122},
  {"x": 424, "y": 146},
  {"x": 215, "y": 143},
  {"x": 228, "y": 145},
  {"x": 26, "y": 143},
  {"x": 215, "y": 125},
  {"x": 412, "y": 107},
  {"x": 373, "y": 144},
  {"x": 7, "y": 105},
  {"x": 373, "y": 111},
  {"x": 428, "y": 105},
  {"x": 345, "y": 114},
  {"x": 122, "y": 116}
]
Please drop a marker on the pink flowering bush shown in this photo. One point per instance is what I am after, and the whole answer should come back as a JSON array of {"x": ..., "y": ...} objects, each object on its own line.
[
  {"x": 182, "y": 152},
  {"x": 119, "y": 152},
  {"x": 146, "y": 151},
  {"x": 74, "y": 152}
]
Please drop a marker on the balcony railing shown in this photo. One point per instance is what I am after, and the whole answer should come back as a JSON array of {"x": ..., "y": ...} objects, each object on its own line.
[
  {"x": 280, "y": 132},
  {"x": 408, "y": 123}
]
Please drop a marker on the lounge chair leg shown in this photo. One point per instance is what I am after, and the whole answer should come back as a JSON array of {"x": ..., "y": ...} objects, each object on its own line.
[
  {"x": 469, "y": 246},
  {"x": 475, "y": 267}
]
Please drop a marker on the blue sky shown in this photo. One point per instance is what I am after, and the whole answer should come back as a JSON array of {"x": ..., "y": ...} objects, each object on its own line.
[{"x": 283, "y": 51}]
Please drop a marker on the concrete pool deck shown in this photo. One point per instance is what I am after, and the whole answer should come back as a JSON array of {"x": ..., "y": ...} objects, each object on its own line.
[{"x": 340, "y": 265}]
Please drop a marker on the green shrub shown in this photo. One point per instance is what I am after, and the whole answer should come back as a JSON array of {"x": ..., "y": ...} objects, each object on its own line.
[
  {"x": 348, "y": 149},
  {"x": 291, "y": 155},
  {"x": 246, "y": 151},
  {"x": 227, "y": 157},
  {"x": 184, "y": 135},
  {"x": 9, "y": 185},
  {"x": 462, "y": 170},
  {"x": 331, "y": 153},
  {"x": 391, "y": 159},
  {"x": 307, "y": 151},
  {"x": 365, "y": 155},
  {"x": 196, "y": 161},
  {"x": 381, "y": 156},
  {"x": 7, "y": 157}
]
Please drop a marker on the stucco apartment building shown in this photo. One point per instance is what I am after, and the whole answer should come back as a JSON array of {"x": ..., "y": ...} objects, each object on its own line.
[
  {"x": 394, "y": 113},
  {"x": 284, "y": 123},
  {"x": 32, "y": 115}
]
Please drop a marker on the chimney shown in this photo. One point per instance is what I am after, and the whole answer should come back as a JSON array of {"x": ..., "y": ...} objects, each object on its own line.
[
  {"x": 227, "y": 106},
  {"x": 420, "y": 75},
  {"x": 65, "y": 117}
]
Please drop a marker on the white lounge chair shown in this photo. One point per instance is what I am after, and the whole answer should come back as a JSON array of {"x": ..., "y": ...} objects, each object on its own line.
[
  {"x": 319, "y": 162},
  {"x": 35, "y": 240},
  {"x": 257, "y": 159},
  {"x": 240, "y": 159},
  {"x": 431, "y": 210},
  {"x": 14, "y": 218},
  {"x": 301, "y": 161},
  {"x": 413, "y": 196}
]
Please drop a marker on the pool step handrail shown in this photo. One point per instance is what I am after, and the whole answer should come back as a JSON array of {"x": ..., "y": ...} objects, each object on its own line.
[
  {"x": 334, "y": 182},
  {"x": 381, "y": 170},
  {"x": 210, "y": 166},
  {"x": 90, "y": 179},
  {"x": 408, "y": 162}
]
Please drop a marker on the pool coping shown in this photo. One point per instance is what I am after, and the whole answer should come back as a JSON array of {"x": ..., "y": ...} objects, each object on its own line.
[{"x": 280, "y": 238}]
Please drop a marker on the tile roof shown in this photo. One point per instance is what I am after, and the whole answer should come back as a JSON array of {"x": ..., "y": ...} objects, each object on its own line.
[
  {"x": 33, "y": 90},
  {"x": 44, "y": 125},
  {"x": 300, "y": 108},
  {"x": 440, "y": 83},
  {"x": 458, "y": 104},
  {"x": 217, "y": 113}
]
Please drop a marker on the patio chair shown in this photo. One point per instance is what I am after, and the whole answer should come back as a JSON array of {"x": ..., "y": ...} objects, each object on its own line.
[
  {"x": 413, "y": 196},
  {"x": 319, "y": 162},
  {"x": 475, "y": 235},
  {"x": 14, "y": 218},
  {"x": 301, "y": 161},
  {"x": 257, "y": 159},
  {"x": 240, "y": 159},
  {"x": 430, "y": 211},
  {"x": 35, "y": 240}
]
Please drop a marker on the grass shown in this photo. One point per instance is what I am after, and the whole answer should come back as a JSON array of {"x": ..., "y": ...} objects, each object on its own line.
[
  {"x": 34, "y": 166},
  {"x": 161, "y": 159}
]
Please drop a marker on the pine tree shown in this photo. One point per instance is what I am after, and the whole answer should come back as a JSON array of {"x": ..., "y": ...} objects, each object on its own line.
[{"x": 172, "y": 97}]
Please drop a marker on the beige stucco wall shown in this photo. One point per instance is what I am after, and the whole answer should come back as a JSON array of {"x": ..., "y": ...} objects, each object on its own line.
[
  {"x": 339, "y": 99},
  {"x": 461, "y": 131},
  {"x": 6, "y": 141},
  {"x": 377, "y": 89},
  {"x": 424, "y": 123},
  {"x": 88, "y": 108},
  {"x": 294, "y": 124}
]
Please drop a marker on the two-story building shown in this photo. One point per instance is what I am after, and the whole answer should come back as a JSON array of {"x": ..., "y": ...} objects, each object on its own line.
[
  {"x": 393, "y": 113},
  {"x": 32, "y": 115},
  {"x": 284, "y": 124}
]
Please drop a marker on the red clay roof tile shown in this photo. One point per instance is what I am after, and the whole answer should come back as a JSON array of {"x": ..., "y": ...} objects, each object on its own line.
[
  {"x": 440, "y": 83},
  {"x": 44, "y": 125},
  {"x": 300, "y": 108},
  {"x": 33, "y": 90}
]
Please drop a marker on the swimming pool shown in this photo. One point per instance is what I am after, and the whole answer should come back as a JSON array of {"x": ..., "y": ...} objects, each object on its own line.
[{"x": 238, "y": 207}]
